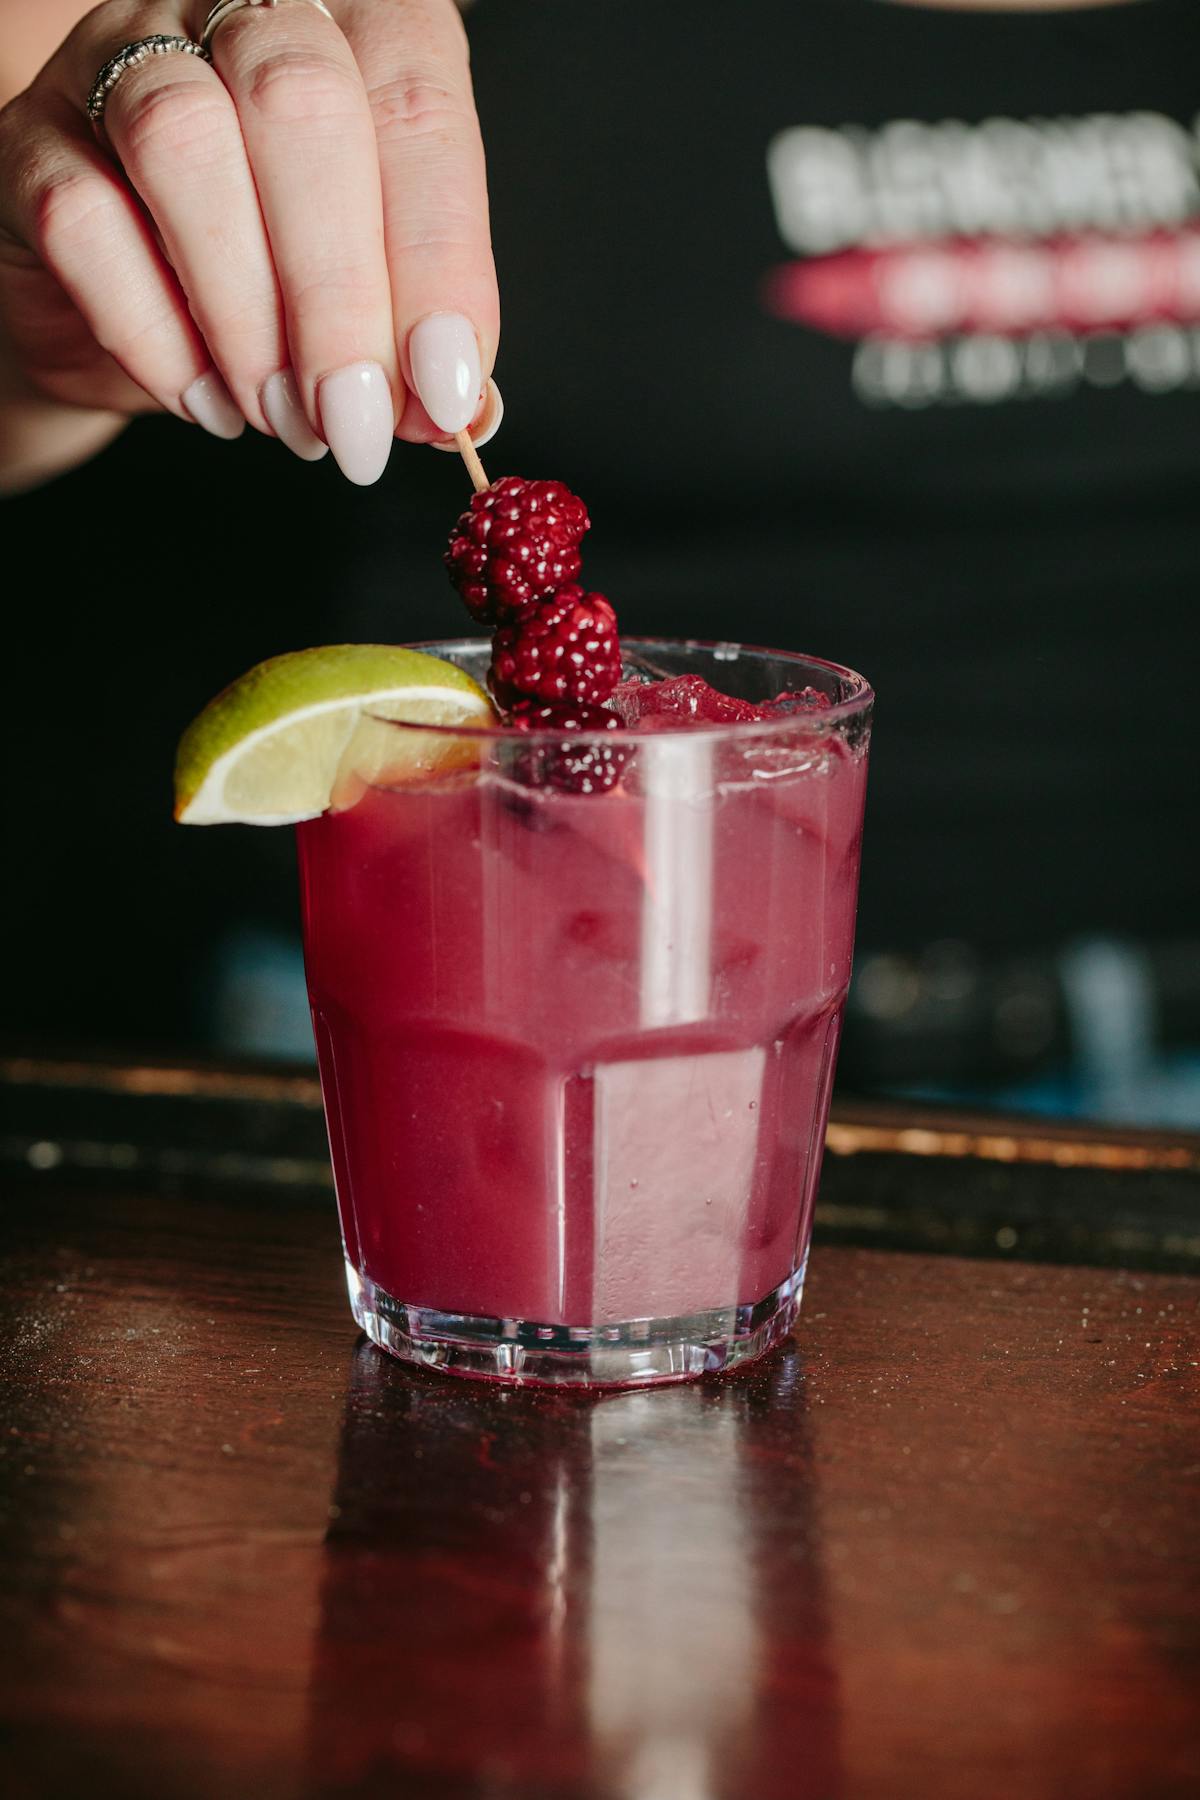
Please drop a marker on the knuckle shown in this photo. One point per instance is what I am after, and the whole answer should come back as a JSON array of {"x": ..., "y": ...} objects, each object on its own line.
[
  {"x": 171, "y": 121},
  {"x": 417, "y": 105},
  {"x": 71, "y": 209},
  {"x": 31, "y": 160},
  {"x": 246, "y": 327},
  {"x": 444, "y": 231},
  {"x": 346, "y": 292},
  {"x": 143, "y": 342},
  {"x": 300, "y": 87},
  {"x": 16, "y": 126}
]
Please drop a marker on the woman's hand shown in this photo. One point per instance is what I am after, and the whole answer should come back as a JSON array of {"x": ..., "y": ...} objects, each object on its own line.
[{"x": 296, "y": 235}]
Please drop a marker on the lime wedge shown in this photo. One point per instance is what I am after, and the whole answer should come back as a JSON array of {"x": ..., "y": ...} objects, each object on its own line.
[{"x": 302, "y": 731}]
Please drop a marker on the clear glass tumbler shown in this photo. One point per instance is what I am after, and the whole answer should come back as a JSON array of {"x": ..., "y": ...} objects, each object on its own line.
[{"x": 576, "y": 1048}]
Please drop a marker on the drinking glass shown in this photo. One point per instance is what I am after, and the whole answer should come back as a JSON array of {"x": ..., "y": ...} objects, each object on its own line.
[{"x": 576, "y": 1047}]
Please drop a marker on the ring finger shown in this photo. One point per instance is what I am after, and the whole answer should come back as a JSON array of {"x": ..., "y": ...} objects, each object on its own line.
[
  {"x": 174, "y": 130},
  {"x": 309, "y": 135}
]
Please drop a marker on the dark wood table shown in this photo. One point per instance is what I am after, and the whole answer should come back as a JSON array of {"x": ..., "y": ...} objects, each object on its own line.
[{"x": 945, "y": 1544}]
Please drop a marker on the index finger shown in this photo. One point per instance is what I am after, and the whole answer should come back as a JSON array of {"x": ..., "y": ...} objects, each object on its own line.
[
  {"x": 310, "y": 141},
  {"x": 414, "y": 62}
]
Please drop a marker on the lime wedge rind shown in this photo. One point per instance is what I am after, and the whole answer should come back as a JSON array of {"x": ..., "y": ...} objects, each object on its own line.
[{"x": 270, "y": 748}]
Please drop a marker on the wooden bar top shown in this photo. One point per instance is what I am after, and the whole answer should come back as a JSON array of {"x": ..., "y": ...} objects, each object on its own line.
[{"x": 944, "y": 1545}]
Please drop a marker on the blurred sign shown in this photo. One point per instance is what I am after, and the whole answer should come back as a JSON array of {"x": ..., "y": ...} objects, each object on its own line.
[{"x": 988, "y": 262}]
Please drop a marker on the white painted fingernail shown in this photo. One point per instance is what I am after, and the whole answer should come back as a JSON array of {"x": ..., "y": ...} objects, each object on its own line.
[
  {"x": 281, "y": 406},
  {"x": 489, "y": 424},
  {"x": 358, "y": 419},
  {"x": 209, "y": 402},
  {"x": 446, "y": 371}
]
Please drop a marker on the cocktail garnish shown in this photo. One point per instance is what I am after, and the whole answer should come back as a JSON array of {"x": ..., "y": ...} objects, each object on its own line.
[
  {"x": 575, "y": 768},
  {"x": 517, "y": 542},
  {"x": 561, "y": 648}
]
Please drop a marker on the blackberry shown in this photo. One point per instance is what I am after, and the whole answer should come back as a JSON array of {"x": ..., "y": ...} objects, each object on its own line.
[
  {"x": 574, "y": 767},
  {"x": 561, "y": 648},
  {"x": 517, "y": 542}
]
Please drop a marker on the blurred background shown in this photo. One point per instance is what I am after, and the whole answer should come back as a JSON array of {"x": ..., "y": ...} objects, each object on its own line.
[{"x": 864, "y": 330}]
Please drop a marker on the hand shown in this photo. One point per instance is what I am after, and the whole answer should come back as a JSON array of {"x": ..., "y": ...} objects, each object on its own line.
[{"x": 296, "y": 235}]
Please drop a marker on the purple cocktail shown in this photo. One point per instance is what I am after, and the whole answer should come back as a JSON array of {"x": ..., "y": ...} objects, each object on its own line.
[{"x": 576, "y": 1046}]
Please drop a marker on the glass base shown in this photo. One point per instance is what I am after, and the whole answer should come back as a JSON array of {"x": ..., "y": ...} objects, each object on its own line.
[{"x": 632, "y": 1353}]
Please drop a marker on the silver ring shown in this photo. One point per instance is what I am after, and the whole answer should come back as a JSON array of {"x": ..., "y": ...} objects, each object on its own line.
[
  {"x": 128, "y": 57},
  {"x": 222, "y": 10}
]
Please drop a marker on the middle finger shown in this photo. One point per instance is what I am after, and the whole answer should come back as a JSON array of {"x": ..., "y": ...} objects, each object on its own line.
[{"x": 311, "y": 143}]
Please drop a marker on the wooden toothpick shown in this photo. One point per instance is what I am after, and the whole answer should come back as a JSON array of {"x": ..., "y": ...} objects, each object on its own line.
[{"x": 470, "y": 456}]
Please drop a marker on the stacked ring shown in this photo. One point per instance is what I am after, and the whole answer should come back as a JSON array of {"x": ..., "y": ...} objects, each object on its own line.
[
  {"x": 128, "y": 57},
  {"x": 223, "y": 8},
  {"x": 162, "y": 44}
]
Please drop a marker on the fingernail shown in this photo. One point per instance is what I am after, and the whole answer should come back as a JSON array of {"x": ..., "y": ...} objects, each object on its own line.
[
  {"x": 489, "y": 423},
  {"x": 209, "y": 402},
  {"x": 358, "y": 420},
  {"x": 445, "y": 369},
  {"x": 280, "y": 399}
]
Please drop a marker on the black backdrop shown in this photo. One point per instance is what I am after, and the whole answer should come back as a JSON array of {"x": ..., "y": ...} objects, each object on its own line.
[{"x": 1018, "y": 580}]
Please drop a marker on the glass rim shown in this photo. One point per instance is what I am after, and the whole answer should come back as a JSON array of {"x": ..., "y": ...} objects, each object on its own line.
[{"x": 857, "y": 703}]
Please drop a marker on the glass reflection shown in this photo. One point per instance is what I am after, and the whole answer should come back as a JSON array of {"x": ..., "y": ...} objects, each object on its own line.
[{"x": 533, "y": 1594}]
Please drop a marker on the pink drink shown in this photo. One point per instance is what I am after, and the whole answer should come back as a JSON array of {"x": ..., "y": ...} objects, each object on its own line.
[{"x": 576, "y": 1049}]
